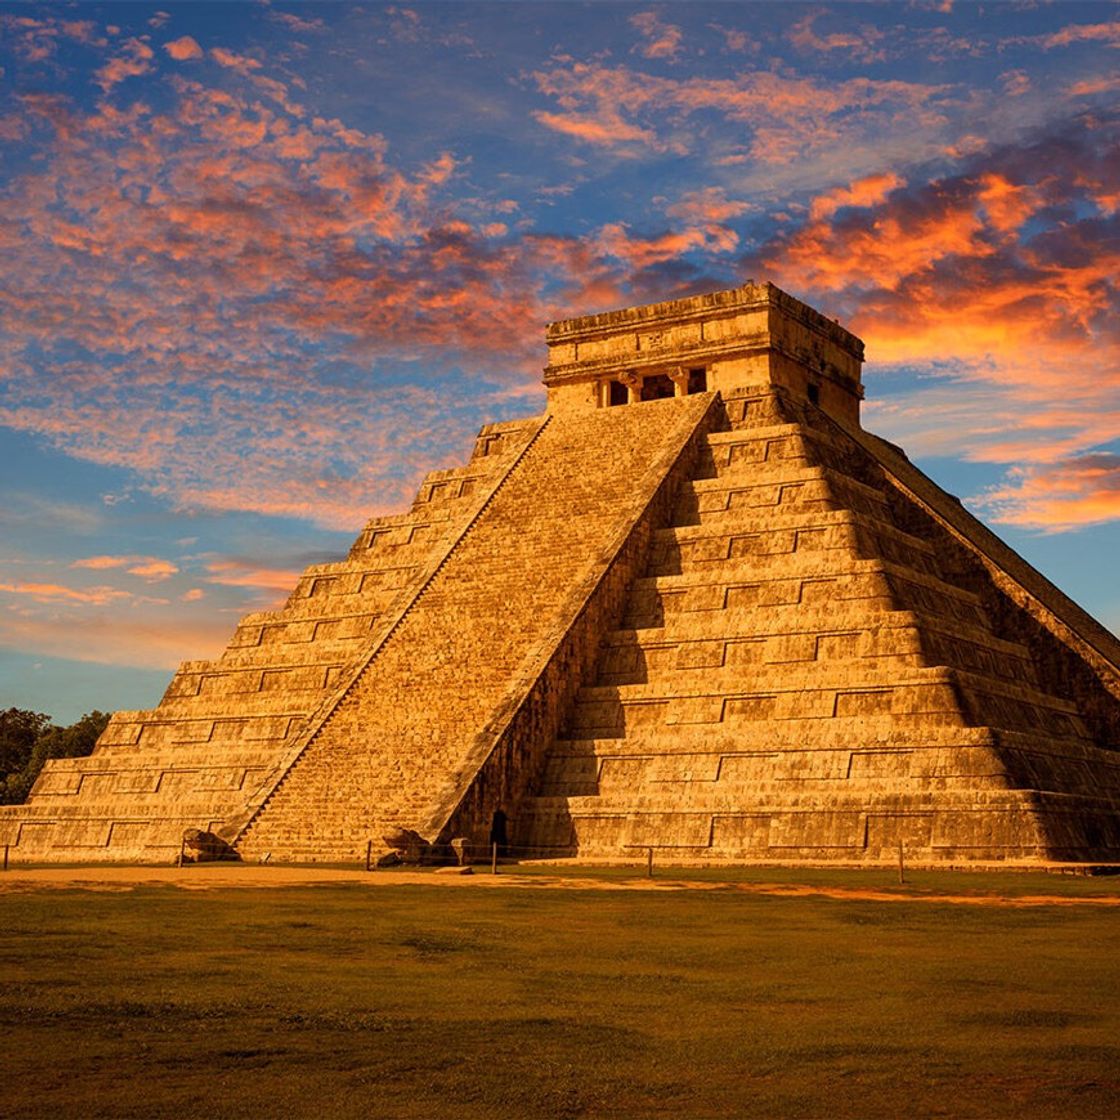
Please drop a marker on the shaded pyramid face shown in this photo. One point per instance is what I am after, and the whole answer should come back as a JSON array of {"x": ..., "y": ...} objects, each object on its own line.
[
  {"x": 813, "y": 667},
  {"x": 694, "y": 607}
]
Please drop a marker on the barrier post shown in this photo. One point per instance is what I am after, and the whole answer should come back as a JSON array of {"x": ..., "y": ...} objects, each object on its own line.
[
  {"x": 649, "y": 863},
  {"x": 369, "y": 852},
  {"x": 901, "y": 865},
  {"x": 493, "y": 859}
]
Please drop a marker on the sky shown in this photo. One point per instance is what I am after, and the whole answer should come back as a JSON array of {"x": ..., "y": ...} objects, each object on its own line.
[{"x": 264, "y": 265}]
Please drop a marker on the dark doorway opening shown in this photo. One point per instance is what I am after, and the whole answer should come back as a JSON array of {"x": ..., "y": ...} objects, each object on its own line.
[
  {"x": 498, "y": 831},
  {"x": 618, "y": 394},
  {"x": 814, "y": 394},
  {"x": 697, "y": 381},
  {"x": 657, "y": 388}
]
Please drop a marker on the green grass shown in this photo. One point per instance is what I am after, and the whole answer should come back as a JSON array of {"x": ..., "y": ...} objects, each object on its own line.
[{"x": 418, "y": 1001}]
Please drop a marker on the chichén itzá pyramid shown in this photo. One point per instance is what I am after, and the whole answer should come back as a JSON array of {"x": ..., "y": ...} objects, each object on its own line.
[{"x": 692, "y": 607}]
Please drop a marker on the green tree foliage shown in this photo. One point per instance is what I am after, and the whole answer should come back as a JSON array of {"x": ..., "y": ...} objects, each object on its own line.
[{"x": 28, "y": 739}]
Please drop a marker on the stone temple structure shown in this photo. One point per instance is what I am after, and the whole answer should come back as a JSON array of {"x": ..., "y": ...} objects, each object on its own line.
[{"x": 693, "y": 606}]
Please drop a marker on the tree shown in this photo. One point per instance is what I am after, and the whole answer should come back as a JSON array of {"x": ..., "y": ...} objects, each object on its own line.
[
  {"x": 49, "y": 741},
  {"x": 19, "y": 731}
]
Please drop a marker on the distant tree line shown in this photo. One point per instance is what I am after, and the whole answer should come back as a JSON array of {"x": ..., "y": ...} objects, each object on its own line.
[{"x": 28, "y": 739}]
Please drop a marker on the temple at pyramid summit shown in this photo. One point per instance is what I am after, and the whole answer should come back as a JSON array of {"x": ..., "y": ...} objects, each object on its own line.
[{"x": 693, "y": 607}]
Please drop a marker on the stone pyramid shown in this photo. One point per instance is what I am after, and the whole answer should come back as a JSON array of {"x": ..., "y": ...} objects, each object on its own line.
[{"x": 693, "y": 607}]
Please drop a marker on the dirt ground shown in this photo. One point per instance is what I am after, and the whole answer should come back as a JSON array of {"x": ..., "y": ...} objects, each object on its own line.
[{"x": 224, "y": 876}]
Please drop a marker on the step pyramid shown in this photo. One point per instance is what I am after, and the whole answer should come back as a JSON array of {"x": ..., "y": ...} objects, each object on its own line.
[{"x": 694, "y": 607}]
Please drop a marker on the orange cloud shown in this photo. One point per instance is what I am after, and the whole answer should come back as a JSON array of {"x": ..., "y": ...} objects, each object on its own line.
[
  {"x": 707, "y": 205},
  {"x": 861, "y": 46},
  {"x": 1108, "y": 33},
  {"x": 240, "y": 63},
  {"x": 863, "y": 192},
  {"x": 662, "y": 40},
  {"x": 608, "y": 129},
  {"x": 183, "y": 49},
  {"x": 788, "y": 117},
  {"x": 641, "y": 252},
  {"x": 136, "y": 60},
  {"x": 239, "y": 573},
  {"x": 1071, "y": 494},
  {"x": 151, "y": 568},
  {"x": 53, "y": 592},
  {"x": 1002, "y": 279}
]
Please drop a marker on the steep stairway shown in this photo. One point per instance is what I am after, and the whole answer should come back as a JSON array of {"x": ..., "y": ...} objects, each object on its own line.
[{"x": 400, "y": 748}]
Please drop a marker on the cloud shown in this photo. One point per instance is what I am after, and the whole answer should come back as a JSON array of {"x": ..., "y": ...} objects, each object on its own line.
[
  {"x": 140, "y": 236},
  {"x": 298, "y": 24},
  {"x": 861, "y": 44},
  {"x": 35, "y": 39},
  {"x": 662, "y": 40},
  {"x": 151, "y": 568},
  {"x": 239, "y": 63},
  {"x": 707, "y": 205},
  {"x": 149, "y": 638},
  {"x": 1000, "y": 283},
  {"x": 183, "y": 49},
  {"x": 774, "y": 117},
  {"x": 1107, "y": 33},
  {"x": 1072, "y": 493},
  {"x": 54, "y": 592},
  {"x": 868, "y": 191},
  {"x": 135, "y": 60},
  {"x": 237, "y": 572}
]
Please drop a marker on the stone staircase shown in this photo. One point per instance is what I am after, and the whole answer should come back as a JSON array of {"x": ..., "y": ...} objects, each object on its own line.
[
  {"x": 800, "y": 675},
  {"x": 397, "y": 749}
]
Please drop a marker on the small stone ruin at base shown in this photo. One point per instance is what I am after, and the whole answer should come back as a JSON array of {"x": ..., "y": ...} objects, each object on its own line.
[{"x": 694, "y": 607}]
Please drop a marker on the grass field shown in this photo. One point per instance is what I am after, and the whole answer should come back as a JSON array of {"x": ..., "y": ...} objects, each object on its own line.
[{"x": 433, "y": 1001}]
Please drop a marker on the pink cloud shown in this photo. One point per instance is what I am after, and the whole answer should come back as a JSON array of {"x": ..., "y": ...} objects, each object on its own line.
[
  {"x": 239, "y": 63},
  {"x": 53, "y": 592},
  {"x": 1108, "y": 33},
  {"x": 862, "y": 45},
  {"x": 788, "y": 117},
  {"x": 151, "y": 568},
  {"x": 136, "y": 60},
  {"x": 662, "y": 40},
  {"x": 1070, "y": 494},
  {"x": 183, "y": 49}
]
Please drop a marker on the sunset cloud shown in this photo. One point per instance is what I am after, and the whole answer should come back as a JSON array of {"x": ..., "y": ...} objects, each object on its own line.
[
  {"x": 183, "y": 49},
  {"x": 1071, "y": 494},
  {"x": 234, "y": 572},
  {"x": 661, "y": 40},
  {"x": 56, "y": 592},
  {"x": 990, "y": 275},
  {"x": 786, "y": 117},
  {"x": 135, "y": 60}
]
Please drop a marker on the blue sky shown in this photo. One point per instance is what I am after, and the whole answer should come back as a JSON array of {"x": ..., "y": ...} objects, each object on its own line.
[{"x": 266, "y": 264}]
